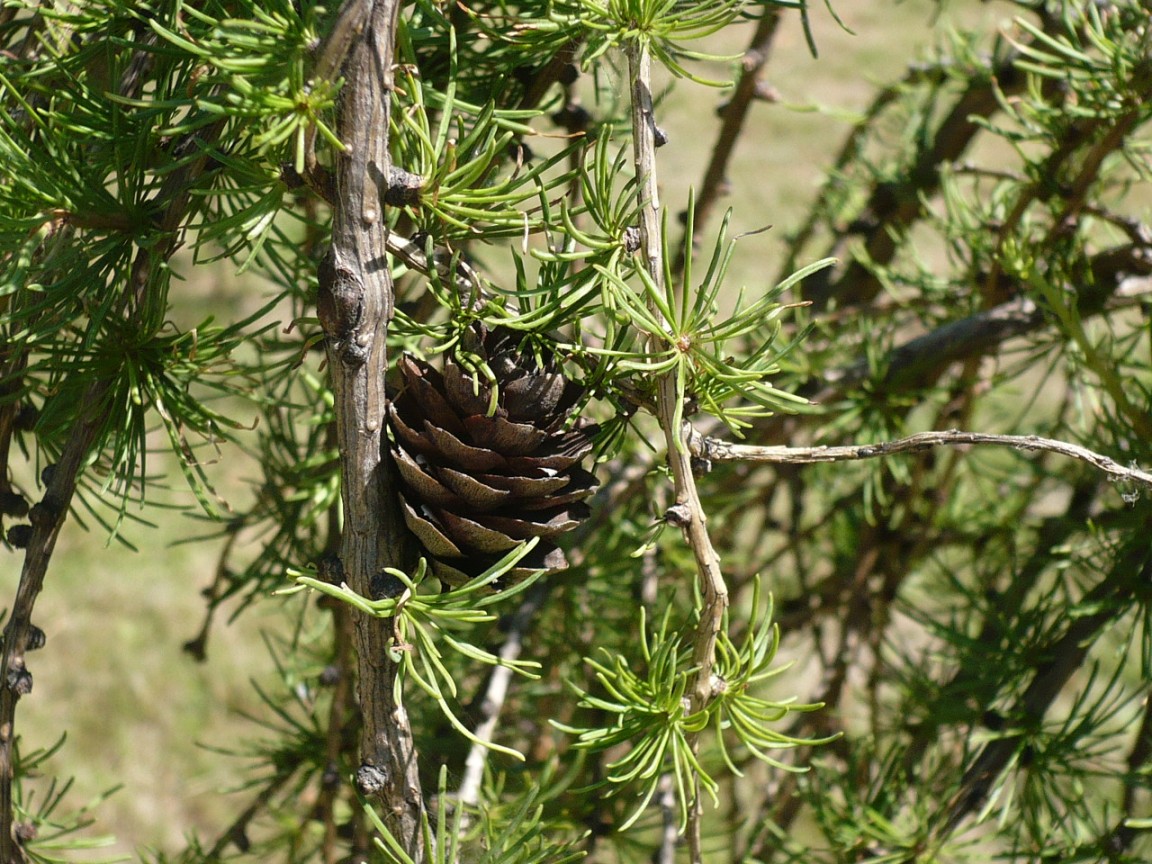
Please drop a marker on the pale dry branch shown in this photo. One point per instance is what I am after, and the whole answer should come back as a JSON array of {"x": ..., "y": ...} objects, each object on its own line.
[
  {"x": 690, "y": 511},
  {"x": 717, "y": 450},
  {"x": 496, "y": 692},
  {"x": 625, "y": 483}
]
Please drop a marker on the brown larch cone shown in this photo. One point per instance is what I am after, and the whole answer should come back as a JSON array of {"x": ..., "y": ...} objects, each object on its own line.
[{"x": 476, "y": 481}]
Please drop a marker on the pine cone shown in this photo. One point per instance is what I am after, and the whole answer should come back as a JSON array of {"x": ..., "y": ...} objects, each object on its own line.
[{"x": 475, "y": 483}]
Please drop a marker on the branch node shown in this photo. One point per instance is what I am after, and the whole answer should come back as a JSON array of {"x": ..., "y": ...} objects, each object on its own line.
[
  {"x": 45, "y": 513},
  {"x": 386, "y": 586},
  {"x": 340, "y": 308},
  {"x": 631, "y": 239},
  {"x": 19, "y": 679},
  {"x": 678, "y": 515},
  {"x": 403, "y": 187},
  {"x": 371, "y": 780},
  {"x": 36, "y": 638},
  {"x": 19, "y": 536}
]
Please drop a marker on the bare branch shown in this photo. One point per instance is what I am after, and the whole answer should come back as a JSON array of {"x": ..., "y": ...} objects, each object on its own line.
[
  {"x": 722, "y": 451},
  {"x": 47, "y": 517}
]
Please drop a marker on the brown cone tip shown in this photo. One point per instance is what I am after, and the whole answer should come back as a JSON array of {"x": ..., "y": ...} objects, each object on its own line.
[{"x": 483, "y": 461}]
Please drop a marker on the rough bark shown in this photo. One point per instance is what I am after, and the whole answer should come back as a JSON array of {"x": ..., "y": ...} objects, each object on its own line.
[{"x": 355, "y": 305}]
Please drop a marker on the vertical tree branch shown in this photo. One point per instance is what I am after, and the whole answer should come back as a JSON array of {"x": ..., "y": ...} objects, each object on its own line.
[
  {"x": 355, "y": 305},
  {"x": 688, "y": 507}
]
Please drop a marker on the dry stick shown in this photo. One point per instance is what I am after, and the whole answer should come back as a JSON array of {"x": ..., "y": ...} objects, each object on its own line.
[
  {"x": 734, "y": 114},
  {"x": 497, "y": 690},
  {"x": 919, "y": 363},
  {"x": 669, "y": 830},
  {"x": 355, "y": 304},
  {"x": 722, "y": 451},
  {"x": 690, "y": 513}
]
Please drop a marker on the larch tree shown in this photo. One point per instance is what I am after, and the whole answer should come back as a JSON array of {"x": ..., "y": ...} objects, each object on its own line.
[{"x": 602, "y": 554}]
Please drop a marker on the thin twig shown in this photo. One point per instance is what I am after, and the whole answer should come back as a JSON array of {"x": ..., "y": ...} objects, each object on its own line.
[
  {"x": 690, "y": 512},
  {"x": 722, "y": 451},
  {"x": 497, "y": 690},
  {"x": 197, "y": 646}
]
